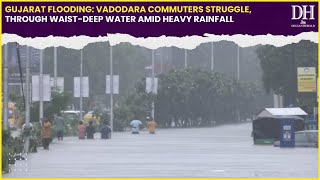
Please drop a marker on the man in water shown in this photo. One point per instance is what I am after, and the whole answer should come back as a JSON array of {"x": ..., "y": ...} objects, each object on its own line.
[
  {"x": 105, "y": 131},
  {"x": 90, "y": 130},
  {"x": 59, "y": 125},
  {"x": 81, "y": 130},
  {"x": 46, "y": 133},
  {"x": 135, "y": 126},
  {"x": 152, "y": 126}
]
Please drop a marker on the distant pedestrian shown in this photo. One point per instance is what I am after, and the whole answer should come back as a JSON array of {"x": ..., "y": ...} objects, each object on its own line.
[
  {"x": 81, "y": 130},
  {"x": 46, "y": 133},
  {"x": 152, "y": 126},
  {"x": 173, "y": 124},
  {"x": 105, "y": 131},
  {"x": 90, "y": 130},
  {"x": 135, "y": 126},
  {"x": 59, "y": 125}
]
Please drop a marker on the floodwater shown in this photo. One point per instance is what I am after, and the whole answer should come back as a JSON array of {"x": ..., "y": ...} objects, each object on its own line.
[{"x": 223, "y": 151}]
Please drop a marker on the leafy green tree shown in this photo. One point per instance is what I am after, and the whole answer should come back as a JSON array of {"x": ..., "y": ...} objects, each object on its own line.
[
  {"x": 191, "y": 97},
  {"x": 128, "y": 62},
  {"x": 59, "y": 102},
  {"x": 279, "y": 65},
  {"x": 194, "y": 97}
]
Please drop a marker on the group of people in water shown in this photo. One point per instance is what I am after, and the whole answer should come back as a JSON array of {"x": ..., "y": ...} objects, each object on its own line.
[
  {"x": 87, "y": 132},
  {"x": 136, "y": 125}
]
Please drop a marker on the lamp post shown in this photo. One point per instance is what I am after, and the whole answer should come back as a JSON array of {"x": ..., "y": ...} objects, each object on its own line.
[
  {"x": 185, "y": 58},
  {"x": 152, "y": 83},
  {"x": 55, "y": 68},
  {"x": 41, "y": 86},
  {"x": 27, "y": 98},
  {"x": 81, "y": 64},
  {"x": 212, "y": 55},
  {"x": 238, "y": 77},
  {"x": 238, "y": 62},
  {"x": 5, "y": 88},
  {"x": 111, "y": 88}
]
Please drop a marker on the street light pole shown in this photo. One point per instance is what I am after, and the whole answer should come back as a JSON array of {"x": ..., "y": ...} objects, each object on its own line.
[
  {"x": 238, "y": 62},
  {"x": 185, "y": 59},
  {"x": 111, "y": 89},
  {"x": 55, "y": 68},
  {"x": 5, "y": 88},
  {"x": 81, "y": 59},
  {"x": 41, "y": 86},
  {"x": 212, "y": 56},
  {"x": 27, "y": 97},
  {"x": 238, "y": 68},
  {"x": 152, "y": 83},
  {"x": 161, "y": 64}
]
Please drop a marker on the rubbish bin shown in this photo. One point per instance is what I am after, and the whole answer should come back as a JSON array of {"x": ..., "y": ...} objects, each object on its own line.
[{"x": 287, "y": 133}]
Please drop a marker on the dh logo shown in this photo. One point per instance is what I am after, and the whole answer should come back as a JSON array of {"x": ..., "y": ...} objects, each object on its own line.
[{"x": 303, "y": 11}]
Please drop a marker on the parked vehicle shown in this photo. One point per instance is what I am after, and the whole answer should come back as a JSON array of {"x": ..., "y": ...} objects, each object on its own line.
[
  {"x": 306, "y": 138},
  {"x": 74, "y": 115}
]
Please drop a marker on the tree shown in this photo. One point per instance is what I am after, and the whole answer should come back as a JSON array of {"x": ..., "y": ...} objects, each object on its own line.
[
  {"x": 279, "y": 65},
  {"x": 59, "y": 102},
  {"x": 194, "y": 97},
  {"x": 128, "y": 62},
  {"x": 136, "y": 105},
  {"x": 190, "y": 97}
]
